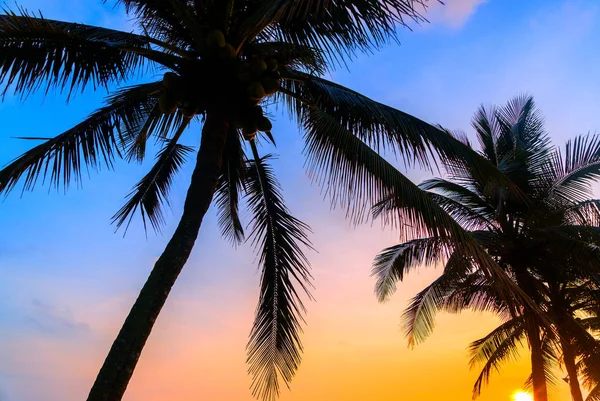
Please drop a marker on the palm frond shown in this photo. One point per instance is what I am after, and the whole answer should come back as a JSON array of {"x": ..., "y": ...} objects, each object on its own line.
[
  {"x": 157, "y": 125},
  {"x": 419, "y": 316},
  {"x": 468, "y": 208},
  {"x": 378, "y": 125},
  {"x": 486, "y": 127},
  {"x": 151, "y": 192},
  {"x": 36, "y": 51},
  {"x": 594, "y": 394},
  {"x": 499, "y": 346},
  {"x": 338, "y": 29},
  {"x": 393, "y": 263},
  {"x": 231, "y": 183},
  {"x": 522, "y": 127},
  {"x": 584, "y": 213},
  {"x": 577, "y": 244},
  {"x": 384, "y": 128},
  {"x": 581, "y": 168},
  {"x": 92, "y": 142},
  {"x": 274, "y": 348},
  {"x": 354, "y": 175},
  {"x": 161, "y": 20}
]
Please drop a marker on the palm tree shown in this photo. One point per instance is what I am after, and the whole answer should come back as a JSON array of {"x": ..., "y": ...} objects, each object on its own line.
[
  {"x": 544, "y": 239},
  {"x": 570, "y": 341},
  {"x": 222, "y": 62}
]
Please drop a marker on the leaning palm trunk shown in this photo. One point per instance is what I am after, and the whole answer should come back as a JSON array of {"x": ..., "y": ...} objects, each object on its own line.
[
  {"x": 233, "y": 57},
  {"x": 112, "y": 380},
  {"x": 571, "y": 367}
]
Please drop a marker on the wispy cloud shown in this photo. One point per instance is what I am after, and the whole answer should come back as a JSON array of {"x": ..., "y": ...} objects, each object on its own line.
[
  {"x": 51, "y": 320},
  {"x": 452, "y": 13}
]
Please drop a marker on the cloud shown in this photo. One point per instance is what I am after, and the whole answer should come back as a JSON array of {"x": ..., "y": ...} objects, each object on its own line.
[
  {"x": 453, "y": 13},
  {"x": 51, "y": 320}
]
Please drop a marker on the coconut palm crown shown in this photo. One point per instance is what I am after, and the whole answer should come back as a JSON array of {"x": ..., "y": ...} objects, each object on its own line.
[
  {"x": 221, "y": 62},
  {"x": 546, "y": 240}
]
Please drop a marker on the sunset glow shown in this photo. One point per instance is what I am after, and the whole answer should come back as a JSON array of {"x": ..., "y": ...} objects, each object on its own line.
[{"x": 522, "y": 396}]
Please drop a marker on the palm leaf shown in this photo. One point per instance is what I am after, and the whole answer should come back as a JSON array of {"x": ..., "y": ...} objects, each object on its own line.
[
  {"x": 419, "y": 316},
  {"x": 584, "y": 213},
  {"x": 465, "y": 205},
  {"x": 499, "y": 346},
  {"x": 92, "y": 142},
  {"x": 486, "y": 128},
  {"x": 36, "y": 51},
  {"x": 338, "y": 29},
  {"x": 231, "y": 183},
  {"x": 384, "y": 128},
  {"x": 393, "y": 263},
  {"x": 580, "y": 169},
  {"x": 274, "y": 348},
  {"x": 151, "y": 192},
  {"x": 159, "y": 19},
  {"x": 594, "y": 394}
]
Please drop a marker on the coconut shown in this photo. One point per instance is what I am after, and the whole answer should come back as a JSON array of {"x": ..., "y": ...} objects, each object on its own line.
[
  {"x": 276, "y": 75},
  {"x": 249, "y": 134},
  {"x": 227, "y": 52},
  {"x": 166, "y": 104},
  {"x": 271, "y": 85},
  {"x": 215, "y": 38},
  {"x": 272, "y": 64},
  {"x": 244, "y": 77},
  {"x": 255, "y": 113},
  {"x": 264, "y": 124},
  {"x": 242, "y": 66},
  {"x": 170, "y": 79},
  {"x": 258, "y": 66},
  {"x": 255, "y": 91}
]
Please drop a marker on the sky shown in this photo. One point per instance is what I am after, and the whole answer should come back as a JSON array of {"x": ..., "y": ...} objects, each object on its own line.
[{"x": 67, "y": 280}]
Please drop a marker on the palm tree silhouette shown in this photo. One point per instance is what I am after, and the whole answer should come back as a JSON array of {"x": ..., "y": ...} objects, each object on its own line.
[
  {"x": 545, "y": 239},
  {"x": 223, "y": 62}
]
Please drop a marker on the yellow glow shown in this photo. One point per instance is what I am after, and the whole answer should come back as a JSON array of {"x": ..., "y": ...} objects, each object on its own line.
[{"x": 522, "y": 396}]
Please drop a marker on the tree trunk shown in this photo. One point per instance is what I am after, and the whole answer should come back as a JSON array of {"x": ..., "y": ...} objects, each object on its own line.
[
  {"x": 569, "y": 359},
  {"x": 122, "y": 358},
  {"x": 538, "y": 377}
]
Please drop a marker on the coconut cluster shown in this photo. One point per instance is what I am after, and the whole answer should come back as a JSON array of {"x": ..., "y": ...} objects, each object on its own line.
[{"x": 238, "y": 83}]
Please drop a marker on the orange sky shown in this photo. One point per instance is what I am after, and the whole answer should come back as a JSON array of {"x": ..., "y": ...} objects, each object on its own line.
[{"x": 355, "y": 350}]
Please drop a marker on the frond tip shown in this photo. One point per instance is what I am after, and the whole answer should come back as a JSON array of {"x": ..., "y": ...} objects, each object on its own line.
[{"x": 274, "y": 347}]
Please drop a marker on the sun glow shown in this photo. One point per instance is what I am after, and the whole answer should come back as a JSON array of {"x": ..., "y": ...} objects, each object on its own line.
[{"x": 522, "y": 396}]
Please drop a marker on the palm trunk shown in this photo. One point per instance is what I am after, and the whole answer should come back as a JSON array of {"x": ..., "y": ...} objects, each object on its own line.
[
  {"x": 122, "y": 358},
  {"x": 538, "y": 377},
  {"x": 569, "y": 359}
]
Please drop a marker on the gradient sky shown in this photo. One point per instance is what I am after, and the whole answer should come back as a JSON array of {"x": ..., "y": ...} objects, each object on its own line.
[{"x": 67, "y": 280}]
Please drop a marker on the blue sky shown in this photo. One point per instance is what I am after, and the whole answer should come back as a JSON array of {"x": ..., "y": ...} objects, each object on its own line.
[{"x": 67, "y": 280}]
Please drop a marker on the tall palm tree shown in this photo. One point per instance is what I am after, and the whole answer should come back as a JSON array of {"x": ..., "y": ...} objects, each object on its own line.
[
  {"x": 544, "y": 239},
  {"x": 222, "y": 62}
]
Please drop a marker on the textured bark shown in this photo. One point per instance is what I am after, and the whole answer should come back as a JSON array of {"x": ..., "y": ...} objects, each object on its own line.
[{"x": 112, "y": 380}]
